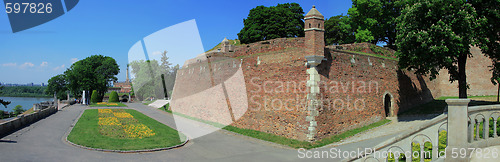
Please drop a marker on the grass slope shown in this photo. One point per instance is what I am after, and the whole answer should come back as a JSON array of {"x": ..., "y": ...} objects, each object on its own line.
[{"x": 287, "y": 141}]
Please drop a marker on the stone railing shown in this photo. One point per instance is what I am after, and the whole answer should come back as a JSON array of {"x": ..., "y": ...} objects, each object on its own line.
[
  {"x": 459, "y": 123},
  {"x": 23, "y": 120}
]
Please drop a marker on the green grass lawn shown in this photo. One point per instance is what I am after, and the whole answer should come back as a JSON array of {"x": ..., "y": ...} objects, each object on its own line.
[
  {"x": 108, "y": 104},
  {"x": 283, "y": 140},
  {"x": 88, "y": 132}
]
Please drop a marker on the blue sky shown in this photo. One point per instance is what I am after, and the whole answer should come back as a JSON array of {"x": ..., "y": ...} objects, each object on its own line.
[{"x": 112, "y": 27}]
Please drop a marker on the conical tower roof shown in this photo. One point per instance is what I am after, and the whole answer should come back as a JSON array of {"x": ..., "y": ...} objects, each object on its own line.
[{"x": 314, "y": 12}]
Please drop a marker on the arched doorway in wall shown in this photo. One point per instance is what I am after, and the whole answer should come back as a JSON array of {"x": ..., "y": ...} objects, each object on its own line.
[{"x": 388, "y": 104}]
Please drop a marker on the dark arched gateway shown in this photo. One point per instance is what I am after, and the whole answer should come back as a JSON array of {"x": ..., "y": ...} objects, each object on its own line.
[{"x": 387, "y": 105}]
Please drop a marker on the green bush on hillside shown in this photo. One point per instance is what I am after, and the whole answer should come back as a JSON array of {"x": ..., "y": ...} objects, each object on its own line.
[{"x": 113, "y": 97}]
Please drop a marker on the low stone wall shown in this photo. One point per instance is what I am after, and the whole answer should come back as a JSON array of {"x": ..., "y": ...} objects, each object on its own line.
[{"x": 23, "y": 120}]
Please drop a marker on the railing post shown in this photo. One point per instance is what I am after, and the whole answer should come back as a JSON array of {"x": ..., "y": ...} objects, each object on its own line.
[{"x": 457, "y": 129}]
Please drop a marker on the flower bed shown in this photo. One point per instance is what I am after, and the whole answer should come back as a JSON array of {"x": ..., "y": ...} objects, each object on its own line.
[{"x": 122, "y": 129}]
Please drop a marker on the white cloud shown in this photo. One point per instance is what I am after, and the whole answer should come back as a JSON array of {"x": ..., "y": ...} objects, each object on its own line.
[
  {"x": 44, "y": 64},
  {"x": 73, "y": 60},
  {"x": 27, "y": 64},
  {"x": 9, "y": 64},
  {"x": 155, "y": 53},
  {"x": 59, "y": 67}
]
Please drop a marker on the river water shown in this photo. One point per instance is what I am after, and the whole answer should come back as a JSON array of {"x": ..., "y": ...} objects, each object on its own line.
[{"x": 25, "y": 102}]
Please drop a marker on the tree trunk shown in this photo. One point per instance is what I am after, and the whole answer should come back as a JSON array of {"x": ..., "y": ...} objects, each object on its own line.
[
  {"x": 462, "y": 76},
  {"x": 498, "y": 92}
]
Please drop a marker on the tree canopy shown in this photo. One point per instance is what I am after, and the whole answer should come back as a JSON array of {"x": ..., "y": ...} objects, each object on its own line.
[
  {"x": 57, "y": 84},
  {"x": 92, "y": 73},
  {"x": 265, "y": 23},
  {"x": 338, "y": 30},
  {"x": 371, "y": 21},
  {"x": 437, "y": 34},
  {"x": 147, "y": 77}
]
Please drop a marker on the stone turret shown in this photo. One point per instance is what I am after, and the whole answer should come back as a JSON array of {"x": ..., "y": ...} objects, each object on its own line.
[
  {"x": 226, "y": 47},
  {"x": 314, "y": 32}
]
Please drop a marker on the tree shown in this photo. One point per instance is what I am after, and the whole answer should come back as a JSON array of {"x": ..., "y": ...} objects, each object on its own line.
[
  {"x": 18, "y": 110},
  {"x": 489, "y": 41},
  {"x": 4, "y": 103},
  {"x": 57, "y": 84},
  {"x": 495, "y": 78},
  {"x": 265, "y": 23},
  {"x": 113, "y": 97},
  {"x": 148, "y": 81},
  {"x": 437, "y": 34},
  {"x": 338, "y": 30},
  {"x": 375, "y": 20},
  {"x": 92, "y": 73},
  {"x": 165, "y": 64}
]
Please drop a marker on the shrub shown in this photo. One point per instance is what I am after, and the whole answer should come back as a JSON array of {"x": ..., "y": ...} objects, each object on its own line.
[
  {"x": 94, "y": 98},
  {"x": 113, "y": 97},
  {"x": 18, "y": 110}
]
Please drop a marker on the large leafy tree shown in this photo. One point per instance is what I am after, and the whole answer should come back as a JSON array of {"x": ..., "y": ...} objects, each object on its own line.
[
  {"x": 4, "y": 103},
  {"x": 57, "y": 84},
  {"x": 147, "y": 77},
  {"x": 437, "y": 34},
  {"x": 374, "y": 20},
  {"x": 264, "y": 23},
  {"x": 92, "y": 73},
  {"x": 489, "y": 41},
  {"x": 338, "y": 30}
]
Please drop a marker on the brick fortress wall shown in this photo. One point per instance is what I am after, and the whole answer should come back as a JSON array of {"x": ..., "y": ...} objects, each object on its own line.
[{"x": 275, "y": 78}]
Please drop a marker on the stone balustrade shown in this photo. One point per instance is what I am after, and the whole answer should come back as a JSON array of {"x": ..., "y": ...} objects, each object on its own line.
[{"x": 462, "y": 138}]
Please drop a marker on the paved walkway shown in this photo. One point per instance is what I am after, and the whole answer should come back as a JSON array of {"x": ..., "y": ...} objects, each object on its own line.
[
  {"x": 395, "y": 127},
  {"x": 44, "y": 141}
]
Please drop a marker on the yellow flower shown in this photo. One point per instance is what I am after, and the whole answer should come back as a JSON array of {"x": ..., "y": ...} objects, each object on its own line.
[
  {"x": 138, "y": 131},
  {"x": 104, "y": 110},
  {"x": 122, "y": 115},
  {"x": 109, "y": 121},
  {"x": 112, "y": 104}
]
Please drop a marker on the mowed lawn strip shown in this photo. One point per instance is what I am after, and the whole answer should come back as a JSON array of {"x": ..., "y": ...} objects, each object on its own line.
[
  {"x": 283, "y": 140},
  {"x": 86, "y": 133}
]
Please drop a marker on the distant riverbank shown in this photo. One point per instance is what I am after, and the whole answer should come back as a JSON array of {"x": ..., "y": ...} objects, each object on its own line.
[{"x": 24, "y": 91}]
